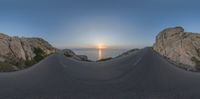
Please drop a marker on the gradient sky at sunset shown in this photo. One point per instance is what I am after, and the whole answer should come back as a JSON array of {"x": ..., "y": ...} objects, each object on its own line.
[{"x": 86, "y": 23}]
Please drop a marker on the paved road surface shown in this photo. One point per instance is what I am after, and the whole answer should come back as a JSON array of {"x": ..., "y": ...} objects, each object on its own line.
[{"x": 141, "y": 75}]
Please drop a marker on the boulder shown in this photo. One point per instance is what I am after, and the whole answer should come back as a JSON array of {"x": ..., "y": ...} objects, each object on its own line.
[
  {"x": 83, "y": 57},
  {"x": 71, "y": 54}
]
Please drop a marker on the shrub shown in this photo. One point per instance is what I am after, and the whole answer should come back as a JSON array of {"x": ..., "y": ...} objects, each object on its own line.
[
  {"x": 39, "y": 54},
  {"x": 197, "y": 62},
  {"x": 6, "y": 67},
  {"x": 29, "y": 63},
  {"x": 20, "y": 63},
  {"x": 198, "y": 52}
]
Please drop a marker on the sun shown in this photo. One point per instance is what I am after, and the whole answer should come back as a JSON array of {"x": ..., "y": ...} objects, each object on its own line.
[{"x": 101, "y": 46}]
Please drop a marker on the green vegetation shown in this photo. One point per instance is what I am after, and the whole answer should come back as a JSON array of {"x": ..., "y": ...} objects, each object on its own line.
[
  {"x": 198, "y": 52},
  {"x": 29, "y": 63},
  {"x": 104, "y": 59},
  {"x": 39, "y": 54},
  {"x": 6, "y": 67},
  {"x": 12, "y": 65},
  {"x": 197, "y": 62}
]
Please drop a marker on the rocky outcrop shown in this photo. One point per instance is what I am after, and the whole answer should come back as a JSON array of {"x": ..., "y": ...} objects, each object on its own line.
[
  {"x": 128, "y": 52},
  {"x": 179, "y": 46},
  {"x": 16, "y": 49},
  {"x": 71, "y": 54}
]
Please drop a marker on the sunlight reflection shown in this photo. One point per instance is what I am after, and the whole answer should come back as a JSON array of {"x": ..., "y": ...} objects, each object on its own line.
[{"x": 100, "y": 54}]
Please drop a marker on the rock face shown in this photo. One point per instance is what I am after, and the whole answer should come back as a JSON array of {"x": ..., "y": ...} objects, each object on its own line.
[
  {"x": 179, "y": 46},
  {"x": 71, "y": 54},
  {"x": 13, "y": 49}
]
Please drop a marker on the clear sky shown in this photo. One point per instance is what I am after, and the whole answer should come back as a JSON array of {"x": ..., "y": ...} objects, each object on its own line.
[{"x": 85, "y": 23}]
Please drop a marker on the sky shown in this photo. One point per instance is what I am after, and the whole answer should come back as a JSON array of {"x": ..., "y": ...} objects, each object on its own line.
[{"x": 87, "y": 23}]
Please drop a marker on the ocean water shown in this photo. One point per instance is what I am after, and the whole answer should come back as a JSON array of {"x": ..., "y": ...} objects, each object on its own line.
[{"x": 96, "y": 54}]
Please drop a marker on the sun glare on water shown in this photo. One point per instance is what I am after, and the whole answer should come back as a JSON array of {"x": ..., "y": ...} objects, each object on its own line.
[{"x": 100, "y": 48}]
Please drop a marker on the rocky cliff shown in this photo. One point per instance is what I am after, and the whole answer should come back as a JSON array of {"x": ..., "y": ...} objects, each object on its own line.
[
  {"x": 179, "y": 46},
  {"x": 14, "y": 50}
]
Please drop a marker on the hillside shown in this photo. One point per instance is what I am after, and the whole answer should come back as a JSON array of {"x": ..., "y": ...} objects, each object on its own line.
[{"x": 18, "y": 53}]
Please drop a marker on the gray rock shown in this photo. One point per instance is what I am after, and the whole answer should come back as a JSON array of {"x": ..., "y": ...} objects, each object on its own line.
[
  {"x": 71, "y": 54},
  {"x": 17, "y": 49},
  {"x": 83, "y": 57},
  {"x": 68, "y": 53},
  {"x": 178, "y": 45}
]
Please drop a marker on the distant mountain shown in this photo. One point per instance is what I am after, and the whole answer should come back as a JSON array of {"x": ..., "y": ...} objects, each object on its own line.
[
  {"x": 18, "y": 53},
  {"x": 179, "y": 46}
]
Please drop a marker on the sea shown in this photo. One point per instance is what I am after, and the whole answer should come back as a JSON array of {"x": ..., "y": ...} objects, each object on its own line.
[{"x": 97, "y": 54}]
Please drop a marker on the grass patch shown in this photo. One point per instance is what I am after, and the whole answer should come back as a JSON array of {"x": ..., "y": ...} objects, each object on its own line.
[{"x": 6, "y": 67}]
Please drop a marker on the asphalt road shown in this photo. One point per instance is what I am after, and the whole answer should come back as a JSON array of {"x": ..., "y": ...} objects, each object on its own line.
[{"x": 141, "y": 75}]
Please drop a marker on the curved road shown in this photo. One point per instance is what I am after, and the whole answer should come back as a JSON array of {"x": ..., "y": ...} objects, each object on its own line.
[{"x": 141, "y": 75}]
